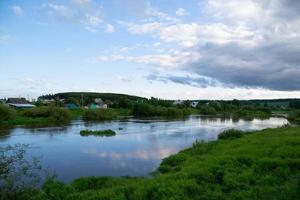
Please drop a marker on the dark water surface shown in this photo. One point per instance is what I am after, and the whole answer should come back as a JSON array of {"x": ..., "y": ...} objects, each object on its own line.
[{"x": 136, "y": 150}]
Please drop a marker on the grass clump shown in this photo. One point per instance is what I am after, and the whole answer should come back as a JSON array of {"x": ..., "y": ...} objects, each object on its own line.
[
  {"x": 231, "y": 134},
  {"x": 107, "y": 132},
  {"x": 99, "y": 115}
]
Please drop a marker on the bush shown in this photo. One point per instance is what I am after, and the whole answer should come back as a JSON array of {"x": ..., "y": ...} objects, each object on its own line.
[
  {"x": 231, "y": 134},
  {"x": 55, "y": 114},
  {"x": 6, "y": 113},
  {"x": 99, "y": 114}
]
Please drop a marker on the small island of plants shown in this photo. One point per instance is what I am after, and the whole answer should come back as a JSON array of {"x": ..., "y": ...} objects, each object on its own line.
[{"x": 107, "y": 132}]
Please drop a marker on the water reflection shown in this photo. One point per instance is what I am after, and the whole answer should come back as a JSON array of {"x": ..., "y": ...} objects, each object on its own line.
[{"x": 136, "y": 150}]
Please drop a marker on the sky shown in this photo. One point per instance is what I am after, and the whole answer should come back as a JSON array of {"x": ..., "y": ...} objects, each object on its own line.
[{"x": 171, "y": 49}]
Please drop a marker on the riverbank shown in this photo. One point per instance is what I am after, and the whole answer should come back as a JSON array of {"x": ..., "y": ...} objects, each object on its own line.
[{"x": 261, "y": 165}]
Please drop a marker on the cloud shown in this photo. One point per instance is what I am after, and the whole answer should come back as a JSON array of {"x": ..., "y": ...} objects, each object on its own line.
[
  {"x": 251, "y": 44},
  {"x": 110, "y": 28},
  {"x": 81, "y": 12},
  {"x": 194, "y": 81},
  {"x": 17, "y": 10},
  {"x": 181, "y": 12},
  {"x": 159, "y": 60},
  {"x": 142, "y": 9}
]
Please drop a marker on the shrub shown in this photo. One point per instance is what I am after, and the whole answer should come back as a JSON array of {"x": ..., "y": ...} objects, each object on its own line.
[
  {"x": 99, "y": 114},
  {"x": 6, "y": 113},
  {"x": 59, "y": 114},
  {"x": 230, "y": 134},
  {"x": 55, "y": 114}
]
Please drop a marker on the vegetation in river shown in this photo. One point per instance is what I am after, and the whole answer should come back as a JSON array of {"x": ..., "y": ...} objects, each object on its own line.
[
  {"x": 261, "y": 165},
  {"x": 107, "y": 132}
]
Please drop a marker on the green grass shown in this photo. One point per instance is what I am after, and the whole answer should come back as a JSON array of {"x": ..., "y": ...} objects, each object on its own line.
[
  {"x": 261, "y": 165},
  {"x": 107, "y": 132}
]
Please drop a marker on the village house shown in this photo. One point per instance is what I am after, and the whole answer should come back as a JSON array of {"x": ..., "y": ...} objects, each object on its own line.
[
  {"x": 18, "y": 103},
  {"x": 98, "y": 103}
]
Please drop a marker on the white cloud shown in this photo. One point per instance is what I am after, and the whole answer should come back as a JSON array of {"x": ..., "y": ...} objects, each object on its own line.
[
  {"x": 17, "y": 10},
  {"x": 81, "y": 12},
  {"x": 110, "y": 28},
  {"x": 181, "y": 12},
  {"x": 153, "y": 12},
  {"x": 159, "y": 60}
]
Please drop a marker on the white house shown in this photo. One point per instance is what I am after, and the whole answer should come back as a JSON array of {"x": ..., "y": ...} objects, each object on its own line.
[
  {"x": 18, "y": 103},
  {"x": 100, "y": 103}
]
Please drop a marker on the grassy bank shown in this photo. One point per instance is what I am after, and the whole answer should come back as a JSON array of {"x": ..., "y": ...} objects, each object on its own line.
[
  {"x": 55, "y": 115},
  {"x": 259, "y": 165}
]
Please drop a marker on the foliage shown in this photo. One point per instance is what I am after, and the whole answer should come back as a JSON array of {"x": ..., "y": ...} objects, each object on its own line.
[
  {"x": 261, "y": 165},
  {"x": 99, "y": 114},
  {"x": 107, "y": 132},
  {"x": 207, "y": 110},
  {"x": 6, "y": 113},
  {"x": 231, "y": 134}
]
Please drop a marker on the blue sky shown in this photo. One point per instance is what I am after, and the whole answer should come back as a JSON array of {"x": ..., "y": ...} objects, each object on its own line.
[{"x": 173, "y": 49}]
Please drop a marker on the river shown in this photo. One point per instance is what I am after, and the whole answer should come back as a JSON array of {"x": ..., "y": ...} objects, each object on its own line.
[{"x": 136, "y": 150}]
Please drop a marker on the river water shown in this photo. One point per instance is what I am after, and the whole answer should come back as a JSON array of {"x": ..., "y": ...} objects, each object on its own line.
[{"x": 136, "y": 150}]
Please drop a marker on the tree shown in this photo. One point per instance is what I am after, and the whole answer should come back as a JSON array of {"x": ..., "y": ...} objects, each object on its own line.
[{"x": 18, "y": 174}]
